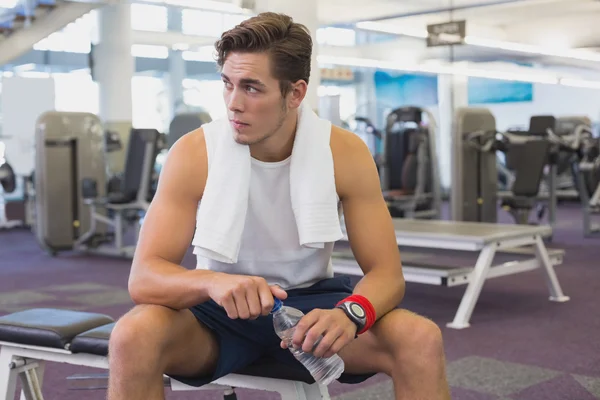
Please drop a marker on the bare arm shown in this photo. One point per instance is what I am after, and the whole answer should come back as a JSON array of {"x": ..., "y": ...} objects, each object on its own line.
[
  {"x": 368, "y": 223},
  {"x": 156, "y": 274}
]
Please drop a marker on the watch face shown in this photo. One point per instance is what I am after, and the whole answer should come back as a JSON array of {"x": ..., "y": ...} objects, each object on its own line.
[{"x": 357, "y": 310}]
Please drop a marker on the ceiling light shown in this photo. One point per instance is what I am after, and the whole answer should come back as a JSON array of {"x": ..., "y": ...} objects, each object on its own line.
[
  {"x": 446, "y": 69},
  {"x": 582, "y": 83}
]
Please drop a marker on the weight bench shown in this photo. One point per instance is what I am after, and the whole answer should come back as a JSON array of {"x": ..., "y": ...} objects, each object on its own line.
[{"x": 28, "y": 339}]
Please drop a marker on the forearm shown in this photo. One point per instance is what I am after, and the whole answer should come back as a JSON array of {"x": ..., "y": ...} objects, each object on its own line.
[
  {"x": 383, "y": 287},
  {"x": 170, "y": 285}
]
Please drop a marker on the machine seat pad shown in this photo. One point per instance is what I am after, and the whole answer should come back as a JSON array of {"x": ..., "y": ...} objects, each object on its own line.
[
  {"x": 94, "y": 341},
  {"x": 48, "y": 327},
  {"x": 519, "y": 203},
  {"x": 120, "y": 198}
]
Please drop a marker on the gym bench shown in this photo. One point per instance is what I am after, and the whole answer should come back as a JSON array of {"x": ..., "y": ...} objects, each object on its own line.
[{"x": 30, "y": 338}]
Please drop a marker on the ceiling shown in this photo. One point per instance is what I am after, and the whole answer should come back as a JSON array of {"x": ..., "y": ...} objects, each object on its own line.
[{"x": 553, "y": 24}]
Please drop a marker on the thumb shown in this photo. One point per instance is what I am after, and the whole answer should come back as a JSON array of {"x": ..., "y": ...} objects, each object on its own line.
[{"x": 278, "y": 292}]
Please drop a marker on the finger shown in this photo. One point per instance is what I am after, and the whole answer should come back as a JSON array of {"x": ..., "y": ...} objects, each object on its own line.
[
  {"x": 283, "y": 344},
  {"x": 330, "y": 337},
  {"x": 278, "y": 292},
  {"x": 266, "y": 298},
  {"x": 303, "y": 326},
  {"x": 253, "y": 301},
  {"x": 228, "y": 303},
  {"x": 341, "y": 342},
  {"x": 314, "y": 336},
  {"x": 241, "y": 303}
]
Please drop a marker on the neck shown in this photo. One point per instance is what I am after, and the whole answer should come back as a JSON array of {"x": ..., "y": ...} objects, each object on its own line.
[{"x": 278, "y": 146}]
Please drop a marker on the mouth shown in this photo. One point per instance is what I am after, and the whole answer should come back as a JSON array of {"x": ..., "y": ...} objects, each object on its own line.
[{"x": 239, "y": 124}]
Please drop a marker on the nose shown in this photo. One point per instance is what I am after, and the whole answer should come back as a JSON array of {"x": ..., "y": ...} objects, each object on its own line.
[{"x": 235, "y": 102}]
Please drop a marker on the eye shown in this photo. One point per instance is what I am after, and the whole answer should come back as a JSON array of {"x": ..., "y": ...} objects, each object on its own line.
[
  {"x": 227, "y": 84},
  {"x": 252, "y": 89}
]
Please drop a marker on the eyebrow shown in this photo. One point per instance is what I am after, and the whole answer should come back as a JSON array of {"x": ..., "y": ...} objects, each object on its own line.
[{"x": 246, "y": 81}]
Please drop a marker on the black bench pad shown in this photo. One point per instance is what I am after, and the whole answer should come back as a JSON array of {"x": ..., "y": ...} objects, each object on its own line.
[
  {"x": 48, "y": 327},
  {"x": 89, "y": 333},
  {"x": 94, "y": 341}
]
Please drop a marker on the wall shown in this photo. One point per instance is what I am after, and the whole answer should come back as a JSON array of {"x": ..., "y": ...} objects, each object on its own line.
[{"x": 554, "y": 100}]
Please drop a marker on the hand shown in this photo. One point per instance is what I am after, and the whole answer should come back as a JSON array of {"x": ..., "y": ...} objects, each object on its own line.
[
  {"x": 335, "y": 327},
  {"x": 244, "y": 297}
]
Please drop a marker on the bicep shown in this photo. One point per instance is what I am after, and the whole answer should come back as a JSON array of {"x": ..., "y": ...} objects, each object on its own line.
[
  {"x": 368, "y": 223},
  {"x": 169, "y": 223}
]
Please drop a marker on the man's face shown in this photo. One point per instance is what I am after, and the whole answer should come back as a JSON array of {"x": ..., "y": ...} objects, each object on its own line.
[{"x": 255, "y": 106}]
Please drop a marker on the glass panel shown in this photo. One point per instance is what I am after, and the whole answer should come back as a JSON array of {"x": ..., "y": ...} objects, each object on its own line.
[{"x": 146, "y": 17}]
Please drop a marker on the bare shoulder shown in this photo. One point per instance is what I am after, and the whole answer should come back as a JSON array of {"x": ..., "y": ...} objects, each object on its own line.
[
  {"x": 354, "y": 166},
  {"x": 186, "y": 165}
]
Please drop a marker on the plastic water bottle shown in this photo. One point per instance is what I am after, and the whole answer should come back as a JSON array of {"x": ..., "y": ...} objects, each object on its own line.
[{"x": 323, "y": 370}]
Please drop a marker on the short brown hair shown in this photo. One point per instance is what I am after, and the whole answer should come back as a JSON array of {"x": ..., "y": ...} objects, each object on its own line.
[{"x": 288, "y": 43}]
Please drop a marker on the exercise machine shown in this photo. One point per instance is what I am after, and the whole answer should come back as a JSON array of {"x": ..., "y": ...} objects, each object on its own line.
[
  {"x": 528, "y": 153},
  {"x": 368, "y": 132},
  {"x": 476, "y": 142},
  {"x": 588, "y": 175},
  {"x": 8, "y": 185},
  {"x": 409, "y": 171},
  {"x": 31, "y": 341},
  {"x": 15, "y": 195},
  {"x": 185, "y": 123},
  {"x": 74, "y": 210}
]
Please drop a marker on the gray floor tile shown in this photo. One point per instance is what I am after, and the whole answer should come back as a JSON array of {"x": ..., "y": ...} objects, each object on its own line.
[
  {"x": 495, "y": 377},
  {"x": 23, "y": 297},
  {"x": 79, "y": 287},
  {"x": 107, "y": 298},
  {"x": 591, "y": 384}
]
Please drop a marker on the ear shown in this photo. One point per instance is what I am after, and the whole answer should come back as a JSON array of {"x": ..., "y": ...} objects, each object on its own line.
[{"x": 297, "y": 93}]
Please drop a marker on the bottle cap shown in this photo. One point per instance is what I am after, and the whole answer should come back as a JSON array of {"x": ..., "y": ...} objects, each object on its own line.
[{"x": 277, "y": 306}]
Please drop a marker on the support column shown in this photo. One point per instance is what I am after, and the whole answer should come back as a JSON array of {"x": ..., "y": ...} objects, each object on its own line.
[
  {"x": 177, "y": 70},
  {"x": 114, "y": 67},
  {"x": 452, "y": 94},
  {"x": 304, "y": 12}
]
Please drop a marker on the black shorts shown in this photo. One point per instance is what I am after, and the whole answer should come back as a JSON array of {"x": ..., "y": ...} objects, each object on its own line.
[{"x": 242, "y": 342}]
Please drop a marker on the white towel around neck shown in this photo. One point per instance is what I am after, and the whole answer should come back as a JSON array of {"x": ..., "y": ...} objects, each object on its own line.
[{"x": 222, "y": 211}]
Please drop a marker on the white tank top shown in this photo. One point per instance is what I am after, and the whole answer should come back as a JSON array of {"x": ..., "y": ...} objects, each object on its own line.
[{"x": 270, "y": 245}]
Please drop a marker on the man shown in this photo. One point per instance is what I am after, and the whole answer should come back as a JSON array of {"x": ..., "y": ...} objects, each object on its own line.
[{"x": 198, "y": 325}]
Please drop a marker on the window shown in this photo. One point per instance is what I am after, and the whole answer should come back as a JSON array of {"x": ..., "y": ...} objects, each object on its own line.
[
  {"x": 75, "y": 37},
  {"x": 76, "y": 92},
  {"x": 202, "y": 23},
  {"x": 206, "y": 95},
  {"x": 231, "y": 20},
  {"x": 149, "y": 107},
  {"x": 149, "y": 51},
  {"x": 205, "y": 53},
  {"x": 146, "y": 17},
  {"x": 336, "y": 36}
]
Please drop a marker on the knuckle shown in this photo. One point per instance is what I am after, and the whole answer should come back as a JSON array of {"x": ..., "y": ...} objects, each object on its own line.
[
  {"x": 301, "y": 325},
  {"x": 239, "y": 289}
]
